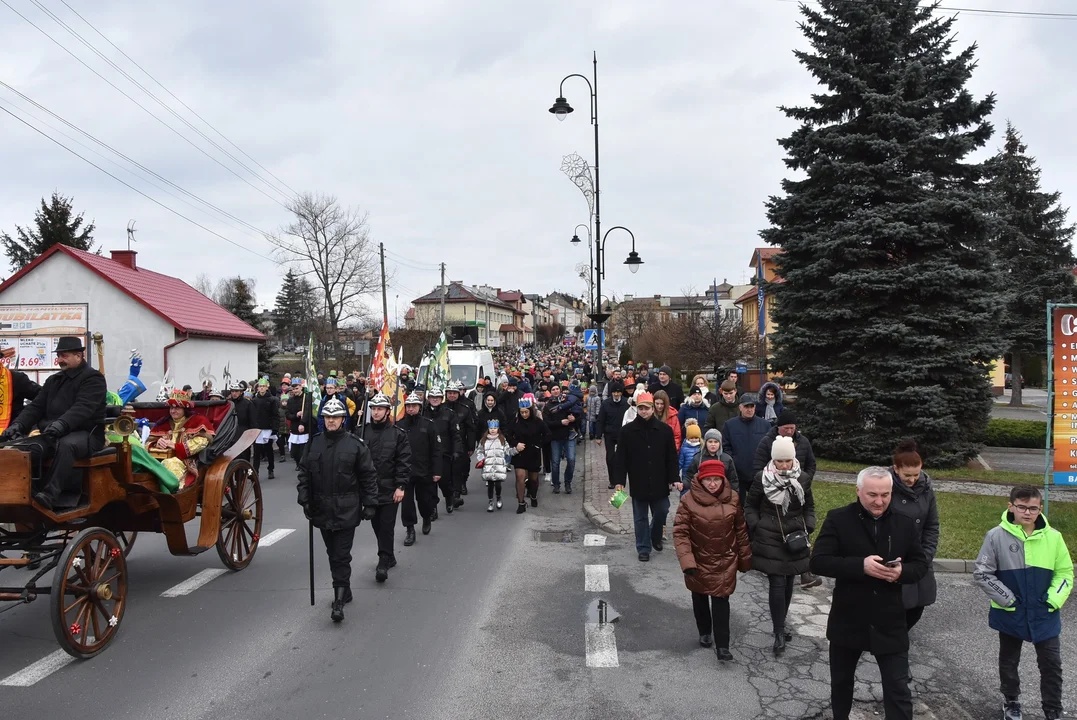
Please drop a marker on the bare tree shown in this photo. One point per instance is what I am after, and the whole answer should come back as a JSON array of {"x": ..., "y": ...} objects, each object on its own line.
[
  {"x": 204, "y": 284},
  {"x": 331, "y": 245}
]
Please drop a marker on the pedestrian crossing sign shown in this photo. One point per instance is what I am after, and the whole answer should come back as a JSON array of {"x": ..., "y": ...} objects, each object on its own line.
[{"x": 590, "y": 339}]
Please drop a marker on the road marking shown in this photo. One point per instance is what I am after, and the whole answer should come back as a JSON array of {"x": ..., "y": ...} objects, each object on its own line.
[
  {"x": 191, "y": 584},
  {"x": 275, "y": 536},
  {"x": 601, "y": 645},
  {"x": 596, "y": 578},
  {"x": 594, "y": 540},
  {"x": 38, "y": 671}
]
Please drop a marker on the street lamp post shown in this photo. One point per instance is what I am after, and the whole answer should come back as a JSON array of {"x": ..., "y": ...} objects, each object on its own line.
[{"x": 590, "y": 258}]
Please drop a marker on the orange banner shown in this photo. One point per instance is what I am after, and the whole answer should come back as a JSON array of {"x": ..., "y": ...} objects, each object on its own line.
[{"x": 1064, "y": 394}]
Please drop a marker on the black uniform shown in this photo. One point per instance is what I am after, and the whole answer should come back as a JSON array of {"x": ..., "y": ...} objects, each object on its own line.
[
  {"x": 336, "y": 477},
  {"x": 70, "y": 413},
  {"x": 265, "y": 416},
  {"x": 466, "y": 421},
  {"x": 299, "y": 413},
  {"x": 425, "y": 465},
  {"x": 391, "y": 453},
  {"x": 244, "y": 419},
  {"x": 451, "y": 446}
]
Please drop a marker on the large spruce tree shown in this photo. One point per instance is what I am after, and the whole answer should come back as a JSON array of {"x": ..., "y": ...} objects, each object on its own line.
[
  {"x": 1032, "y": 245},
  {"x": 55, "y": 223},
  {"x": 289, "y": 308},
  {"x": 887, "y": 310}
]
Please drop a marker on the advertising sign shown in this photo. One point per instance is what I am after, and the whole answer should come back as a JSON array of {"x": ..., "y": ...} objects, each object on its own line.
[
  {"x": 1064, "y": 394},
  {"x": 29, "y": 333}
]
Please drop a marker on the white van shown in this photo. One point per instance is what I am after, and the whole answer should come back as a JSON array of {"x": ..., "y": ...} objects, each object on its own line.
[{"x": 467, "y": 364}]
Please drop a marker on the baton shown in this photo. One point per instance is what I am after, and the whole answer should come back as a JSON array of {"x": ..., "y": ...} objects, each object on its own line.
[{"x": 310, "y": 544}]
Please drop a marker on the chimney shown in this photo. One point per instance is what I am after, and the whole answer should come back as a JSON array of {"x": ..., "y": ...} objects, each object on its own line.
[{"x": 125, "y": 257}]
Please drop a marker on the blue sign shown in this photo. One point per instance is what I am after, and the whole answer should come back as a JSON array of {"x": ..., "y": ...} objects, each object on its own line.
[{"x": 590, "y": 339}]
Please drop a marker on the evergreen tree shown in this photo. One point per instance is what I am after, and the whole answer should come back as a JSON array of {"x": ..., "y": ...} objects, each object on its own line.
[
  {"x": 240, "y": 302},
  {"x": 887, "y": 303},
  {"x": 289, "y": 308},
  {"x": 1032, "y": 247},
  {"x": 55, "y": 223}
]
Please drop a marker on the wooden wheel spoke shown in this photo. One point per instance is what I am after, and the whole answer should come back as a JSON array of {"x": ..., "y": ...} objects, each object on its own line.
[
  {"x": 110, "y": 579},
  {"x": 82, "y": 576},
  {"x": 246, "y": 529},
  {"x": 246, "y": 544},
  {"x": 244, "y": 490},
  {"x": 101, "y": 555},
  {"x": 104, "y": 569},
  {"x": 80, "y": 599},
  {"x": 80, "y": 619},
  {"x": 93, "y": 621}
]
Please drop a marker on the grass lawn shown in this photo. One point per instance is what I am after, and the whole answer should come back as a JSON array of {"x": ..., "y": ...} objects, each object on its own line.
[
  {"x": 964, "y": 519},
  {"x": 997, "y": 477}
]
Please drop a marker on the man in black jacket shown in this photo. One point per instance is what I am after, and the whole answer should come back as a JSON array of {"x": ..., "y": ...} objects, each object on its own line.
[
  {"x": 509, "y": 400},
  {"x": 244, "y": 412},
  {"x": 425, "y": 468},
  {"x": 391, "y": 453},
  {"x": 451, "y": 446},
  {"x": 336, "y": 478},
  {"x": 465, "y": 413},
  {"x": 610, "y": 419},
  {"x": 265, "y": 415},
  {"x": 647, "y": 455},
  {"x": 871, "y": 552},
  {"x": 70, "y": 413}
]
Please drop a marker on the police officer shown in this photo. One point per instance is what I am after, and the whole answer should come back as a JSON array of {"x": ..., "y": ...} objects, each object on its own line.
[
  {"x": 244, "y": 411},
  {"x": 336, "y": 477},
  {"x": 449, "y": 432},
  {"x": 425, "y": 468},
  {"x": 466, "y": 421},
  {"x": 391, "y": 453},
  {"x": 70, "y": 413},
  {"x": 265, "y": 416}
]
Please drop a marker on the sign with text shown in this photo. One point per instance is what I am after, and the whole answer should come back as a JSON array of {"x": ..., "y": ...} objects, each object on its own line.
[
  {"x": 1064, "y": 395},
  {"x": 29, "y": 333}
]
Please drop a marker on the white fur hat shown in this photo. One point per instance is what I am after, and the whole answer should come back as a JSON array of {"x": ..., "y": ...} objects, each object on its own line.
[{"x": 783, "y": 449}]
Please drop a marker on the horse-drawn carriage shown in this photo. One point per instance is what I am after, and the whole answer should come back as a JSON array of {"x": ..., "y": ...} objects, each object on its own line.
[{"x": 85, "y": 547}]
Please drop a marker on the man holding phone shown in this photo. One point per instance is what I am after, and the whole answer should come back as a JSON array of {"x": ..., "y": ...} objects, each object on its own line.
[{"x": 870, "y": 552}]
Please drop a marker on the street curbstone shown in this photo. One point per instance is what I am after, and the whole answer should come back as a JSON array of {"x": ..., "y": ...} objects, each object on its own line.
[{"x": 949, "y": 565}]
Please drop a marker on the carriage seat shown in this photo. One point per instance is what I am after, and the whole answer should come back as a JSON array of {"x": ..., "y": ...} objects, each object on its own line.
[{"x": 104, "y": 456}]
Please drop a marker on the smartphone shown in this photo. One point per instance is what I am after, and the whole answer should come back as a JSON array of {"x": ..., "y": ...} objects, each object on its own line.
[{"x": 893, "y": 563}]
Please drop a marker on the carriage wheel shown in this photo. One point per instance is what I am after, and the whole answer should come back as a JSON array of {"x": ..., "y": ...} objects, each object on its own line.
[
  {"x": 127, "y": 541},
  {"x": 89, "y": 593},
  {"x": 241, "y": 516}
]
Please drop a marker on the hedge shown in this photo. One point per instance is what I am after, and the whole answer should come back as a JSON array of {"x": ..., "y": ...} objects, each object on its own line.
[{"x": 1002, "y": 432}]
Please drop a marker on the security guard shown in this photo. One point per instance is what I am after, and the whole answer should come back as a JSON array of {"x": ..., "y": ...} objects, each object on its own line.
[
  {"x": 391, "y": 453},
  {"x": 336, "y": 478},
  {"x": 466, "y": 421},
  {"x": 425, "y": 468},
  {"x": 449, "y": 432}
]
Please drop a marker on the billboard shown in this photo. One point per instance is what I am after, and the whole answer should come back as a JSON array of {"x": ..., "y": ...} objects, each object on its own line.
[
  {"x": 29, "y": 333},
  {"x": 1063, "y": 392}
]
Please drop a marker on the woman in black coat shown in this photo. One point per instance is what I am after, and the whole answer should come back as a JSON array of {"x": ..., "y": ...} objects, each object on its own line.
[
  {"x": 914, "y": 497},
  {"x": 527, "y": 433},
  {"x": 489, "y": 411},
  {"x": 779, "y": 503}
]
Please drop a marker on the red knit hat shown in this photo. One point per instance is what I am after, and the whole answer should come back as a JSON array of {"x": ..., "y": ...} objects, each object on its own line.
[{"x": 711, "y": 469}]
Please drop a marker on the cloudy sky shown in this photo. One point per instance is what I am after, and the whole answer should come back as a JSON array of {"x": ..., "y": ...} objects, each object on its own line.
[{"x": 431, "y": 115}]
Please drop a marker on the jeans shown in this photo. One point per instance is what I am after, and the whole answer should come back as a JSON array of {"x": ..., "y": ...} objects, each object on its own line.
[
  {"x": 1049, "y": 659},
  {"x": 566, "y": 449},
  {"x": 647, "y": 529},
  {"x": 712, "y": 619},
  {"x": 591, "y": 427},
  {"x": 894, "y": 669}
]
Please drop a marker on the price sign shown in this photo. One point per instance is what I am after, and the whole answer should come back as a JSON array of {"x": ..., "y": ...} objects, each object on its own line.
[{"x": 35, "y": 353}]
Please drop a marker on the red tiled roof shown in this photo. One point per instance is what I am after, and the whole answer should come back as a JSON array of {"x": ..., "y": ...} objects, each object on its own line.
[
  {"x": 754, "y": 292},
  {"x": 509, "y": 327},
  {"x": 510, "y": 296},
  {"x": 410, "y": 314},
  {"x": 188, "y": 310},
  {"x": 765, "y": 254}
]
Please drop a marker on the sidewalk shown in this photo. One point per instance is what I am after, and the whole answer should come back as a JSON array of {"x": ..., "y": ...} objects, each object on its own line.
[{"x": 596, "y": 492}]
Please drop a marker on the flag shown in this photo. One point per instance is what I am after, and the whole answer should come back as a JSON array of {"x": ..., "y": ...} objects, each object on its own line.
[
  {"x": 312, "y": 380},
  {"x": 439, "y": 372},
  {"x": 383, "y": 355},
  {"x": 385, "y": 375}
]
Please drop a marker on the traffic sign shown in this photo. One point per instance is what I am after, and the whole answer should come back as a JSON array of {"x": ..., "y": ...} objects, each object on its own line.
[{"x": 590, "y": 339}]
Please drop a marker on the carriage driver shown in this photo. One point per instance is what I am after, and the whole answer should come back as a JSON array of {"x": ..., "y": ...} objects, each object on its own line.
[{"x": 70, "y": 414}]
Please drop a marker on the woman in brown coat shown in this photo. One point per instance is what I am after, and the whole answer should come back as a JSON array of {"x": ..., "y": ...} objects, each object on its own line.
[{"x": 711, "y": 539}]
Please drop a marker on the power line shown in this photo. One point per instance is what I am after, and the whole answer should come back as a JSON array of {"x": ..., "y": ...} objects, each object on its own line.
[
  {"x": 137, "y": 164},
  {"x": 177, "y": 99},
  {"x": 143, "y": 107},
  {"x": 413, "y": 264},
  {"x": 1028, "y": 14},
  {"x": 132, "y": 187}
]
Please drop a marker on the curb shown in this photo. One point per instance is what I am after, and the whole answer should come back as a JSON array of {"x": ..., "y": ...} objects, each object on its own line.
[
  {"x": 597, "y": 518},
  {"x": 1014, "y": 451}
]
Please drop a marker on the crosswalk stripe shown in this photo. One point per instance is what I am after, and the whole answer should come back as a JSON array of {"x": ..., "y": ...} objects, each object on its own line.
[
  {"x": 193, "y": 583},
  {"x": 594, "y": 540},
  {"x": 596, "y": 578},
  {"x": 601, "y": 645},
  {"x": 38, "y": 671}
]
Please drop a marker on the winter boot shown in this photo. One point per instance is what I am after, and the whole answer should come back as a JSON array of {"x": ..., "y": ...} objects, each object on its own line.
[
  {"x": 779, "y": 641},
  {"x": 457, "y": 501},
  {"x": 409, "y": 536},
  {"x": 339, "y": 594},
  {"x": 271, "y": 476},
  {"x": 1011, "y": 710},
  {"x": 723, "y": 654},
  {"x": 381, "y": 574},
  {"x": 498, "y": 504},
  {"x": 521, "y": 508},
  {"x": 463, "y": 489},
  {"x": 426, "y": 527},
  {"x": 706, "y": 640},
  {"x": 490, "y": 506},
  {"x": 808, "y": 581}
]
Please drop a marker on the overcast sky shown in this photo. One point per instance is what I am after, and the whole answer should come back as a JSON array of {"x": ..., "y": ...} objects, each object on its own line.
[{"x": 432, "y": 116}]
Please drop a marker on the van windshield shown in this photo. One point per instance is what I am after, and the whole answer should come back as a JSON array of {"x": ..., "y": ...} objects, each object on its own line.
[{"x": 466, "y": 374}]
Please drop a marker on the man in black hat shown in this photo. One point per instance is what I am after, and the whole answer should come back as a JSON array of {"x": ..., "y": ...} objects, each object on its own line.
[{"x": 70, "y": 413}]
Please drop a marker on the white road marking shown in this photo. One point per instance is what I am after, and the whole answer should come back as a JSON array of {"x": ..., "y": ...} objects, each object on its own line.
[
  {"x": 193, "y": 583},
  {"x": 38, "y": 671},
  {"x": 596, "y": 578},
  {"x": 274, "y": 537},
  {"x": 601, "y": 645},
  {"x": 594, "y": 540}
]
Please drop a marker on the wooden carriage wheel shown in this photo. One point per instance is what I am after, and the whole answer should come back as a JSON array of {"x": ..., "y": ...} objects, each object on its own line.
[
  {"x": 127, "y": 541},
  {"x": 89, "y": 592},
  {"x": 241, "y": 516}
]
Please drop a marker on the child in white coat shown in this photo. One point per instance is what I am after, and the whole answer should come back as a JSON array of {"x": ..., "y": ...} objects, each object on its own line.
[{"x": 493, "y": 458}]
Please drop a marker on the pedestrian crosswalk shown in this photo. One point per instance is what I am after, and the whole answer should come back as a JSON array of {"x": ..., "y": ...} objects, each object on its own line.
[{"x": 600, "y": 640}]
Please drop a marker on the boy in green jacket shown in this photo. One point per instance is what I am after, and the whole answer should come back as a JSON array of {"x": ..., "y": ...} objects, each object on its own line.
[{"x": 1026, "y": 571}]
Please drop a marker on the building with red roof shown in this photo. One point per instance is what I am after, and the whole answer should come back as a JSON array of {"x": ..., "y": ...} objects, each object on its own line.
[{"x": 169, "y": 322}]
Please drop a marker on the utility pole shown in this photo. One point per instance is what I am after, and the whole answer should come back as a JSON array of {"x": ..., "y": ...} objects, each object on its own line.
[
  {"x": 384, "y": 301},
  {"x": 487, "y": 321},
  {"x": 443, "y": 293}
]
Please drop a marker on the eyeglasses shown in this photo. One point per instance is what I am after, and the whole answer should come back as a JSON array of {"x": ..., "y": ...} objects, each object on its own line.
[{"x": 1026, "y": 509}]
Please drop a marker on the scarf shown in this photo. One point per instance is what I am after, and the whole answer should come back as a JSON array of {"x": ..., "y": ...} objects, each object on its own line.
[
  {"x": 770, "y": 416},
  {"x": 777, "y": 484}
]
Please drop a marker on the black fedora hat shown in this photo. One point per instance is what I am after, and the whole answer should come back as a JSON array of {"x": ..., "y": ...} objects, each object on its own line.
[{"x": 69, "y": 343}]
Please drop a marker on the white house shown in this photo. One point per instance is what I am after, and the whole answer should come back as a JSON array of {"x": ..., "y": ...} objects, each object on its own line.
[{"x": 170, "y": 323}]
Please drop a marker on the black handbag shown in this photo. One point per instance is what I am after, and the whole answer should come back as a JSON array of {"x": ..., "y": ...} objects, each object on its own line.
[{"x": 798, "y": 541}]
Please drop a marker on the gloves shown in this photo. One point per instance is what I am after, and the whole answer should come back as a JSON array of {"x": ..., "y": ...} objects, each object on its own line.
[
  {"x": 55, "y": 430},
  {"x": 689, "y": 571},
  {"x": 11, "y": 432},
  {"x": 369, "y": 512}
]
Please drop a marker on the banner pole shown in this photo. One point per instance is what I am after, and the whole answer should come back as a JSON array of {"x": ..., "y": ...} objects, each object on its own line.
[{"x": 1049, "y": 441}]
